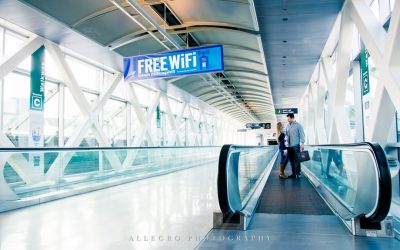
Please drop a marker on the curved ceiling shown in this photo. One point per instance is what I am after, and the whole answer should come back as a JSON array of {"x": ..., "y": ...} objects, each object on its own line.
[
  {"x": 294, "y": 34},
  {"x": 246, "y": 28},
  {"x": 125, "y": 29}
]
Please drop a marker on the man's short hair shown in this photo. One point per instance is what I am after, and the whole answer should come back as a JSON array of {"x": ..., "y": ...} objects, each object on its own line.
[{"x": 291, "y": 115}]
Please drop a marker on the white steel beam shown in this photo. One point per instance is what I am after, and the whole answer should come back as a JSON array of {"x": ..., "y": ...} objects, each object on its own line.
[{"x": 10, "y": 62}]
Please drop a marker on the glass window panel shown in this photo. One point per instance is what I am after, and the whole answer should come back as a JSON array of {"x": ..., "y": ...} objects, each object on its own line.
[
  {"x": 144, "y": 95},
  {"x": 392, "y": 4},
  {"x": 12, "y": 42},
  {"x": 16, "y": 108},
  {"x": 73, "y": 116},
  {"x": 90, "y": 139},
  {"x": 86, "y": 75},
  {"x": 120, "y": 91},
  {"x": 51, "y": 67},
  {"x": 1, "y": 42},
  {"x": 375, "y": 8},
  {"x": 114, "y": 122},
  {"x": 51, "y": 115},
  {"x": 135, "y": 124},
  {"x": 349, "y": 104}
]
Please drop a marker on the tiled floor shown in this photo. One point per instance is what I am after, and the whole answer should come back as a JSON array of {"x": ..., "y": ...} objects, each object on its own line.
[
  {"x": 294, "y": 231},
  {"x": 176, "y": 209}
]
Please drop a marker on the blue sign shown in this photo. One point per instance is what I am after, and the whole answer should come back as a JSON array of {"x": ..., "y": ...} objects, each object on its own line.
[{"x": 175, "y": 63}]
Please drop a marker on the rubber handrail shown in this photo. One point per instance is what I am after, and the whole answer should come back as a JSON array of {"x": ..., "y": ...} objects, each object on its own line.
[{"x": 94, "y": 148}]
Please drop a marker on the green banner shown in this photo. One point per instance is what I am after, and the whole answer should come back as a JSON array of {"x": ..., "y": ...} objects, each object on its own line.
[
  {"x": 37, "y": 80},
  {"x": 364, "y": 71},
  {"x": 158, "y": 117}
]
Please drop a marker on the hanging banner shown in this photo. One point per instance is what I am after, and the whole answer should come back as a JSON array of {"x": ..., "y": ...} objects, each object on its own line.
[
  {"x": 286, "y": 111},
  {"x": 364, "y": 71},
  {"x": 258, "y": 125},
  {"x": 174, "y": 63},
  {"x": 158, "y": 117},
  {"x": 36, "y": 114}
]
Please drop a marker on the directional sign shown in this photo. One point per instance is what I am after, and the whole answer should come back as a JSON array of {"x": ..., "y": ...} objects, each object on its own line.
[
  {"x": 364, "y": 71},
  {"x": 175, "y": 63},
  {"x": 286, "y": 111},
  {"x": 258, "y": 125}
]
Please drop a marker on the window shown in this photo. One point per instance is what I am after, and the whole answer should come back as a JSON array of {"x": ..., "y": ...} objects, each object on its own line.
[
  {"x": 86, "y": 75},
  {"x": 16, "y": 108},
  {"x": 51, "y": 115},
  {"x": 114, "y": 122},
  {"x": 349, "y": 104},
  {"x": 392, "y": 4},
  {"x": 375, "y": 8},
  {"x": 12, "y": 42},
  {"x": 73, "y": 116}
]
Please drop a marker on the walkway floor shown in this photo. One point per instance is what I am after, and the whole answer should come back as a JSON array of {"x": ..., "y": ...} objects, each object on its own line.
[
  {"x": 176, "y": 209},
  {"x": 291, "y": 196},
  {"x": 294, "y": 231}
]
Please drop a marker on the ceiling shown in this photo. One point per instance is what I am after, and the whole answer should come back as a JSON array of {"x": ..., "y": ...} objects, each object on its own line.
[
  {"x": 305, "y": 26},
  {"x": 243, "y": 90}
]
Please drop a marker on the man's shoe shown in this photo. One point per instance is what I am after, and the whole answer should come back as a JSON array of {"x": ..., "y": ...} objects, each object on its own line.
[
  {"x": 298, "y": 176},
  {"x": 292, "y": 176}
]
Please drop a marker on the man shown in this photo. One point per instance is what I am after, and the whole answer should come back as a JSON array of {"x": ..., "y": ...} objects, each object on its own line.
[{"x": 295, "y": 134}]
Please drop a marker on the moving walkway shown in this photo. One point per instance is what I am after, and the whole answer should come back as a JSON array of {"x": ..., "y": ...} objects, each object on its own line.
[{"x": 351, "y": 181}]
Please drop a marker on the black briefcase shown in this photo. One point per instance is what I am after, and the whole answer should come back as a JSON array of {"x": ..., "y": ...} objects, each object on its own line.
[{"x": 303, "y": 156}]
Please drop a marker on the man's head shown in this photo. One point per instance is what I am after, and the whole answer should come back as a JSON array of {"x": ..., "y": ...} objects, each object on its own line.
[{"x": 290, "y": 118}]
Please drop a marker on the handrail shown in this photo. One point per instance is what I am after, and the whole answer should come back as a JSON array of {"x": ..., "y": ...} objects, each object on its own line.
[
  {"x": 383, "y": 178},
  {"x": 19, "y": 149},
  {"x": 222, "y": 180}
]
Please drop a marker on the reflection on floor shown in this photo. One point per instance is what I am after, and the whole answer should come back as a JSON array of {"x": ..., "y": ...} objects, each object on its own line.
[
  {"x": 294, "y": 231},
  {"x": 172, "y": 211}
]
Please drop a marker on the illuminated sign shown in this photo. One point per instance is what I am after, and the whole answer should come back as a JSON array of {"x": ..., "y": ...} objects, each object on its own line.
[
  {"x": 258, "y": 125},
  {"x": 286, "y": 111},
  {"x": 174, "y": 63}
]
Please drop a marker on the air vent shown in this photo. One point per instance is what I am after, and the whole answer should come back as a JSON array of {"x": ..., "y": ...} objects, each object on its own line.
[{"x": 165, "y": 13}]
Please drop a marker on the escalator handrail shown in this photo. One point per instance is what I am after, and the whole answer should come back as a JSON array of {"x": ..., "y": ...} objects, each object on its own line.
[
  {"x": 384, "y": 179},
  {"x": 223, "y": 178},
  {"x": 55, "y": 149}
]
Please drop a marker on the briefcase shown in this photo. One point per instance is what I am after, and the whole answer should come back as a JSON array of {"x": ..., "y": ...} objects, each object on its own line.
[{"x": 303, "y": 156}]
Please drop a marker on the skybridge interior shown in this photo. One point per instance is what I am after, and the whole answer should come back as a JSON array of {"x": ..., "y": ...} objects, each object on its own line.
[{"x": 94, "y": 158}]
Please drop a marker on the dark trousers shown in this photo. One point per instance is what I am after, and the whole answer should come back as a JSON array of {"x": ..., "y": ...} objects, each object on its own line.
[{"x": 292, "y": 152}]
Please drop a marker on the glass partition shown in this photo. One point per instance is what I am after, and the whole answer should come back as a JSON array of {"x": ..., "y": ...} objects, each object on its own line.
[
  {"x": 353, "y": 174},
  {"x": 34, "y": 174},
  {"x": 252, "y": 163},
  {"x": 241, "y": 169}
]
